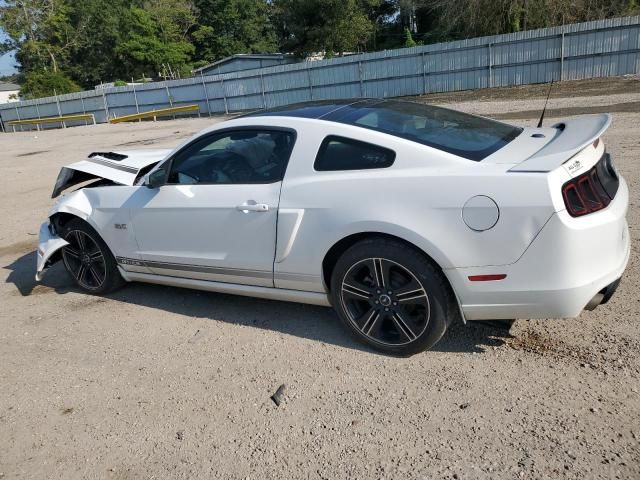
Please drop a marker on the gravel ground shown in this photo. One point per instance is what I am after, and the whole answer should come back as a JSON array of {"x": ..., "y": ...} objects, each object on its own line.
[{"x": 157, "y": 382}]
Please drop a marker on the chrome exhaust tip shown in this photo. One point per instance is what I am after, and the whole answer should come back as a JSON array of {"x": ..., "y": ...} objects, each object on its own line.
[{"x": 595, "y": 301}]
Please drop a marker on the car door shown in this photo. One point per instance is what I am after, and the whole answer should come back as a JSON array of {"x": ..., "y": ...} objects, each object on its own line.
[{"x": 215, "y": 216}]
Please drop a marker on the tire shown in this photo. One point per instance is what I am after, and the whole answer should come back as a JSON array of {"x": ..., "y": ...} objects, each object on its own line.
[
  {"x": 392, "y": 297},
  {"x": 88, "y": 259}
]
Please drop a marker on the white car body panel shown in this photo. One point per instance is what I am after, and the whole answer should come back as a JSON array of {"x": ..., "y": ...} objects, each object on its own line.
[
  {"x": 230, "y": 245},
  {"x": 575, "y": 135},
  {"x": 198, "y": 236},
  {"x": 565, "y": 247},
  {"x": 48, "y": 245}
]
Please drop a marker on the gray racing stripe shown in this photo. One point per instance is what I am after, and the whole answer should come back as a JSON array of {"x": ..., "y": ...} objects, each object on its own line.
[
  {"x": 113, "y": 165},
  {"x": 236, "y": 272}
]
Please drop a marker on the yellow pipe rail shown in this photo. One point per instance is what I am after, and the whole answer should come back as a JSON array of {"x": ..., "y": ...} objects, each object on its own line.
[
  {"x": 161, "y": 112},
  {"x": 62, "y": 119}
]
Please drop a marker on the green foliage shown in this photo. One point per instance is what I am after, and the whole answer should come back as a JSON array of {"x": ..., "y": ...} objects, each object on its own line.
[
  {"x": 107, "y": 24},
  {"x": 152, "y": 45},
  {"x": 227, "y": 27},
  {"x": 61, "y": 44},
  {"x": 408, "y": 39},
  {"x": 120, "y": 83},
  {"x": 46, "y": 84},
  {"x": 311, "y": 26},
  {"x": 461, "y": 18}
]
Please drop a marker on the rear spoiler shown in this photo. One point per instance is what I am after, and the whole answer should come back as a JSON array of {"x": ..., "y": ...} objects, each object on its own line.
[{"x": 572, "y": 136}]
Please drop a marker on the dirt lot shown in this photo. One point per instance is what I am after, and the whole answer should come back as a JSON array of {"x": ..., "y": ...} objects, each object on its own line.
[{"x": 156, "y": 383}]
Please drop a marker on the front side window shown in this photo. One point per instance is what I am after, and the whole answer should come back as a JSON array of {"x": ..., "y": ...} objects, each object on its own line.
[
  {"x": 240, "y": 156},
  {"x": 339, "y": 153}
]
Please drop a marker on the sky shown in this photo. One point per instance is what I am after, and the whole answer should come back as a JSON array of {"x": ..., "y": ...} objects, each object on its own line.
[{"x": 7, "y": 62}]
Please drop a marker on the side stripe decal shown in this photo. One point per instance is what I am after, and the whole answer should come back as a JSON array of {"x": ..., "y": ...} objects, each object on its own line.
[
  {"x": 236, "y": 272},
  {"x": 284, "y": 276},
  {"x": 113, "y": 165}
]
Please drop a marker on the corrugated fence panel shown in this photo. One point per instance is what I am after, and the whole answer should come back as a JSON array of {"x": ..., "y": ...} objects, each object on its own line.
[{"x": 570, "y": 52}]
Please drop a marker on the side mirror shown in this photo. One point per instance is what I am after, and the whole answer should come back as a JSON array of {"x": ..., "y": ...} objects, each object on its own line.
[{"x": 156, "y": 178}]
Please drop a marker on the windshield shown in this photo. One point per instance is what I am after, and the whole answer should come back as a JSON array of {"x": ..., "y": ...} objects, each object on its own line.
[{"x": 467, "y": 136}]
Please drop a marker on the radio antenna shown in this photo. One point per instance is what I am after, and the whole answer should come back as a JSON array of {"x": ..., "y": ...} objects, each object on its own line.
[{"x": 545, "y": 105}]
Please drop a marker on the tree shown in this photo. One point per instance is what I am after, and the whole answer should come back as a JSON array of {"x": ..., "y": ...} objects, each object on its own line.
[
  {"x": 309, "y": 26},
  {"x": 470, "y": 18},
  {"x": 157, "y": 41},
  {"x": 95, "y": 59},
  {"x": 98, "y": 40},
  {"x": 408, "y": 39},
  {"x": 380, "y": 13},
  {"x": 40, "y": 32},
  {"x": 67, "y": 43},
  {"x": 227, "y": 27},
  {"x": 46, "y": 84}
]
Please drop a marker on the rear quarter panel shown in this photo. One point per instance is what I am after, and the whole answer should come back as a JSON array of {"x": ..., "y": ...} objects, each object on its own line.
[{"x": 418, "y": 199}]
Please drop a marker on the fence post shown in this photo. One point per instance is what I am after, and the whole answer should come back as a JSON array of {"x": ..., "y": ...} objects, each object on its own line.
[
  {"x": 490, "y": 67},
  {"x": 424, "y": 75},
  {"x": 224, "y": 96},
  {"x": 206, "y": 95},
  {"x": 18, "y": 114},
  {"x": 135, "y": 98},
  {"x": 106, "y": 105},
  {"x": 562, "y": 55},
  {"x": 37, "y": 113},
  {"x": 264, "y": 100},
  {"x": 83, "y": 109},
  {"x": 361, "y": 80},
  {"x": 310, "y": 82},
  {"x": 166, "y": 86},
  {"x": 64, "y": 124}
]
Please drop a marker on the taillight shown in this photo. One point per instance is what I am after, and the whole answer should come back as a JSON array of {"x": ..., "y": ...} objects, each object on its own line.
[{"x": 591, "y": 192}]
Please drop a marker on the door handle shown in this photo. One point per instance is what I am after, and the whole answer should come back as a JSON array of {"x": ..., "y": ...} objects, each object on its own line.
[{"x": 251, "y": 206}]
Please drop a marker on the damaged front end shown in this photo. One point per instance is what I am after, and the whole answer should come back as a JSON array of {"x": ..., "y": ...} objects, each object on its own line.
[
  {"x": 104, "y": 168},
  {"x": 98, "y": 169},
  {"x": 49, "y": 247}
]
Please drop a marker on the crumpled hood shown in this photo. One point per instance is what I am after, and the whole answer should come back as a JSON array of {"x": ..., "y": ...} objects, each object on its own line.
[{"x": 122, "y": 167}]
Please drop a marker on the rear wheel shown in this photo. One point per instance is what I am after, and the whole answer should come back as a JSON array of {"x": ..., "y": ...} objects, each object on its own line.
[
  {"x": 88, "y": 259},
  {"x": 392, "y": 297}
]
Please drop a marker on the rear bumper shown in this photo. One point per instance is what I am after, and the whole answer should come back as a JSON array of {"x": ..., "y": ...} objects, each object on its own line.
[{"x": 568, "y": 263}]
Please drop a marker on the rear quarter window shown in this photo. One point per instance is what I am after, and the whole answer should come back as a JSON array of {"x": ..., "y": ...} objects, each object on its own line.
[
  {"x": 461, "y": 134},
  {"x": 340, "y": 153}
]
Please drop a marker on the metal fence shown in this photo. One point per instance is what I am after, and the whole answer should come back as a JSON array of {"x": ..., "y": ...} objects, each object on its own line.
[{"x": 586, "y": 50}]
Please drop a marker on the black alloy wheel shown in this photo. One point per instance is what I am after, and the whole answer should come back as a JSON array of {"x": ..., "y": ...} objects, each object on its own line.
[
  {"x": 392, "y": 297},
  {"x": 385, "y": 301},
  {"x": 88, "y": 259},
  {"x": 84, "y": 260}
]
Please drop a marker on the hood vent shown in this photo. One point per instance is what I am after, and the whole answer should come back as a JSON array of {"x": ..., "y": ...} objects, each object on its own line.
[{"x": 117, "y": 157}]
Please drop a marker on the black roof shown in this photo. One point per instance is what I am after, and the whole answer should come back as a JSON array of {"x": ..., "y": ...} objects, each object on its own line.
[
  {"x": 315, "y": 109},
  {"x": 459, "y": 133}
]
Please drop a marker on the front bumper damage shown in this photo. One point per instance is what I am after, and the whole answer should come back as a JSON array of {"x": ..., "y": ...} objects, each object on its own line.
[{"x": 49, "y": 244}]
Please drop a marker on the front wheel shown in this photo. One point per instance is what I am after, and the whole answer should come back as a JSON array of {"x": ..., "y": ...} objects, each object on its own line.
[
  {"x": 88, "y": 259},
  {"x": 392, "y": 297}
]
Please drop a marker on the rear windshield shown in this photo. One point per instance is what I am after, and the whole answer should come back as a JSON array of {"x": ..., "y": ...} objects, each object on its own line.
[{"x": 467, "y": 136}]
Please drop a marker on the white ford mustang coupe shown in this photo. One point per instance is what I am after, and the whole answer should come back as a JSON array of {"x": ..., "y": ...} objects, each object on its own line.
[{"x": 403, "y": 217}]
